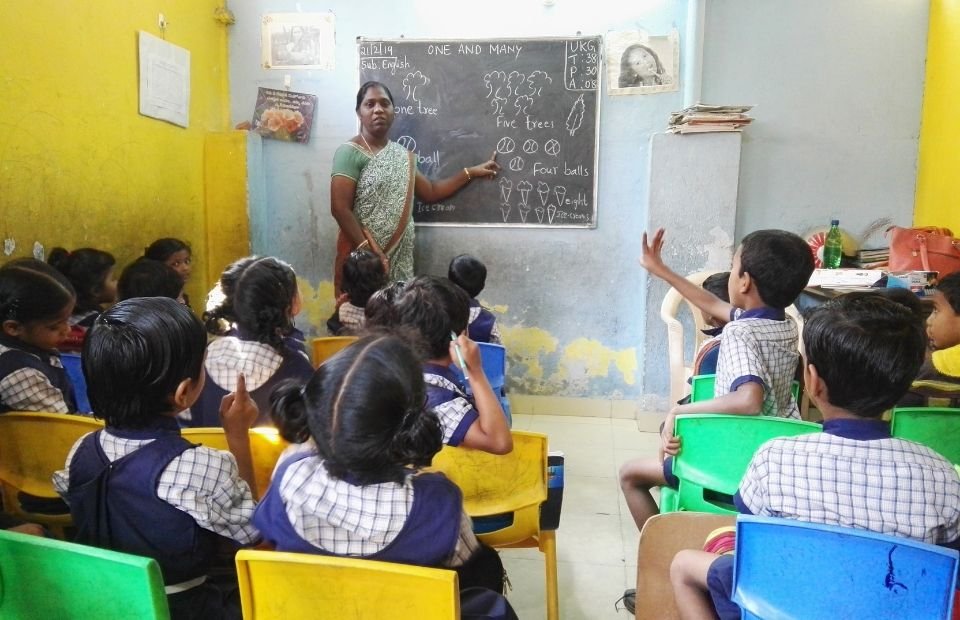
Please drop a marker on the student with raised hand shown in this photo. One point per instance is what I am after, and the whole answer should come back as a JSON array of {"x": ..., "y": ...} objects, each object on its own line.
[
  {"x": 862, "y": 352},
  {"x": 436, "y": 310},
  {"x": 36, "y": 302},
  {"x": 352, "y": 486},
  {"x": 262, "y": 302},
  {"x": 758, "y": 351},
  {"x": 137, "y": 486}
]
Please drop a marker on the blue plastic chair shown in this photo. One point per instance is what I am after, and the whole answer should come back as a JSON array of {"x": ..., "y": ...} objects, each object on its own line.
[
  {"x": 791, "y": 569},
  {"x": 494, "y": 360},
  {"x": 71, "y": 363}
]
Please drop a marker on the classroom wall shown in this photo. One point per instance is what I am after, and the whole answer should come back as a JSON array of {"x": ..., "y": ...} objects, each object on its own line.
[
  {"x": 571, "y": 302},
  {"x": 938, "y": 184},
  {"x": 837, "y": 88},
  {"x": 78, "y": 165}
]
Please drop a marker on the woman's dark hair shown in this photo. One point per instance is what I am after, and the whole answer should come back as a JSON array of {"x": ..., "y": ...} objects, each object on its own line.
[
  {"x": 363, "y": 275},
  {"x": 367, "y": 86},
  {"x": 162, "y": 249},
  {"x": 258, "y": 293},
  {"x": 381, "y": 310},
  {"x": 87, "y": 270},
  {"x": 31, "y": 290},
  {"x": 433, "y": 307},
  {"x": 135, "y": 356},
  {"x": 364, "y": 408},
  {"x": 867, "y": 349},
  {"x": 469, "y": 273},
  {"x": 146, "y": 277}
]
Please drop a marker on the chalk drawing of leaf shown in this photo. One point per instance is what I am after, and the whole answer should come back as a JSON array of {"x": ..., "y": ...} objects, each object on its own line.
[{"x": 575, "y": 119}]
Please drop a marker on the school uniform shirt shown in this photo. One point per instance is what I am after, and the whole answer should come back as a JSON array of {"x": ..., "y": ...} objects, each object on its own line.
[
  {"x": 453, "y": 407},
  {"x": 33, "y": 379},
  {"x": 262, "y": 366},
  {"x": 482, "y": 324},
  {"x": 938, "y": 382},
  {"x": 202, "y": 482},
  {"x": 418, "y": 521},
  {"x": 760, "y": 346},
  {"x": 352, "y": 318},
  {"x": 853, "y": 474}
]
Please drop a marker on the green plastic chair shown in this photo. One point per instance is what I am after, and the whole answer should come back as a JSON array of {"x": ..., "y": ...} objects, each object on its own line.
[
  {"x": 46, "y": 578},
  {"x": 701, "y": 388},
  {"x": 938, "y": 428},
  {"x": 714, "y": 455}
]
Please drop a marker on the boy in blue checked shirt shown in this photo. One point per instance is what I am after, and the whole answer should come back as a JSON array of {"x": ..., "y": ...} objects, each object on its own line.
[{"x": 862, "y": 352}]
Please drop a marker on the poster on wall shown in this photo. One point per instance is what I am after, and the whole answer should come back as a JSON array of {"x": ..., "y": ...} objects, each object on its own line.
[
  {"x": 641, "y": 64},
  {"x": 164, "y": 80},
  {"x": 284, "y": 115},
  {"x": 297, "y": 41}
]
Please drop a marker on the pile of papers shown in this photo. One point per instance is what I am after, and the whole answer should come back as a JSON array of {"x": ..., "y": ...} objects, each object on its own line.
[
  {"x": 702, "y": 118},
  {"x": 845, "y": 278}
]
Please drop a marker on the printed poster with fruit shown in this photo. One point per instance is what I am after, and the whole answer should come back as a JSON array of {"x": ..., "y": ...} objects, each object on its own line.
[{"x": 284, "y": 115}]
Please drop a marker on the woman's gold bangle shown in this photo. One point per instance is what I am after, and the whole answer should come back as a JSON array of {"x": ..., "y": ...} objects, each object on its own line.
[
  {"x": 467, "y": 172},
  {"x": 365, "y": 243}
]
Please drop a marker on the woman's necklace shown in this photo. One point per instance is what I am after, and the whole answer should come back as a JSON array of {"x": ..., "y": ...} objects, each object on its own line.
[{"x": 367, "y": 144}]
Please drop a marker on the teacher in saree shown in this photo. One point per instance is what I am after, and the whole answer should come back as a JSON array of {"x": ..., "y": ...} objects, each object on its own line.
[{"x": 373, "y": 185}]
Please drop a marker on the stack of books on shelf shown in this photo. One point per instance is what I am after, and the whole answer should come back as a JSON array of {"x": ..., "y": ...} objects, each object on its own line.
[
  {"x": 873, "y": 259},
  {"x": 702, "y": 118}
]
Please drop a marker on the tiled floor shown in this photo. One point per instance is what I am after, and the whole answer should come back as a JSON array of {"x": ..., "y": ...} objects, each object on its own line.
[{"x": 597, "y": 539}]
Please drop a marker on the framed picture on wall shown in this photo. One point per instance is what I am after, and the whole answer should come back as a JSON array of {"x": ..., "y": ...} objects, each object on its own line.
[
  {"x": 641, "y": 64},
  {"x": 297, "y": 41}
]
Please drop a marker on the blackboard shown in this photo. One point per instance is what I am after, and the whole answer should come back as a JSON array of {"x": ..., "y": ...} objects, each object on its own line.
[{"x": 534, "y": 101}]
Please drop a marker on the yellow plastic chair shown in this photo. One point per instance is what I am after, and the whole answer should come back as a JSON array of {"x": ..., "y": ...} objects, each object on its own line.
[
  {"x": 680, "y": 370},
  {"x": 512, "y": 483},
  {"x": 298, "y": 585},
  {"x": 266, "y": 444},
  {"x": 32, "y": 447},
  {"x": 326, "y": 347}
]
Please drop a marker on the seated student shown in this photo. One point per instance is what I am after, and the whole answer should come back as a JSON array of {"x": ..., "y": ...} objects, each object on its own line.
[
  {"x": 91, "y": 272},
  {"x": 436, "y": 310},
  {"x": 176, "y": 254},
  {"x": 381, "y": 310},
  {"x": 264, "y": 300},
  {"x": 137, "y": 486},
  {"x": 470, "y": 274},
  {"x": 938, "y": 382},
  {"x": 36, "y": 302},
  {"x": 354, "y": 489},
  {"x": 705, "y": 362},
  {"x": 146, "y": 277},
  {"x": 758, "y": 352},
  {"x": 363, "y": 275},
  {"x": 862, "y": 352}
]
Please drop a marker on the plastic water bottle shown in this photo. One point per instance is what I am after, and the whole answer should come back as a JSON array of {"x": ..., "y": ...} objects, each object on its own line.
[{"x": 833, "y": 247}]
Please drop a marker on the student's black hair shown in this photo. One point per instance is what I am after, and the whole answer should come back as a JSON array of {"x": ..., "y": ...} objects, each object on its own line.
[
  {"x": 469, "y": 273},
  {"x": 867, "y": 349},
  {"x": 906, "y": 298},
  {"x": 87, "y": 270},
  {"x": 146, "y": 277},
  {"x": 367, "y": 86},
  {"x": 433, "y": 307},
  {"x": 381, "y": 310},
  {"x": 218, "y": 318},
  {"x": 780, "y": 264},
  {"x": 717, "y": 284},
  {"x": 363, "y": 275},
  {"x": 164, "y": 248},
  {"x": 364, "y": 408},
  {"x": 258, "y": 293},
  {"x": 135, "y": 356},
  {"x": 31, "y": 290},
  {"x": 949, "y": 287}
]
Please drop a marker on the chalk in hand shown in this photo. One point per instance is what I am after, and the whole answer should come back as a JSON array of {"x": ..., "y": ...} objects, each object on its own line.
[{"x": 456, "y": 347}]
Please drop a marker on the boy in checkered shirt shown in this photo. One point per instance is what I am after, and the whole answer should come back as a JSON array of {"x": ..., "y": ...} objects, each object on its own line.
[
  {"x": 758, "y": 352},
  {"x": 862, "y": 352}
]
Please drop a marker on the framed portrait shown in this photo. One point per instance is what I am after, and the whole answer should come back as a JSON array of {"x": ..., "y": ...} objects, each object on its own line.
[
  {"x": 642, "y": 64},
  {"x": 297, "y": 41}
]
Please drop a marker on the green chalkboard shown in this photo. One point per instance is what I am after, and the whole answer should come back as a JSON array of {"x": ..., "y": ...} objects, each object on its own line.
[{"x": 534, "y": 101}]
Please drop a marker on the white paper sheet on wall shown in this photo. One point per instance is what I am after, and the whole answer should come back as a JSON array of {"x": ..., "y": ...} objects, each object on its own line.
[{"x": 164, "y": 80}]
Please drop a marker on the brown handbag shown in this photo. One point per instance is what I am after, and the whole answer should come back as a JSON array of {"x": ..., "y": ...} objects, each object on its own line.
[{"x": 924, "y": 249}]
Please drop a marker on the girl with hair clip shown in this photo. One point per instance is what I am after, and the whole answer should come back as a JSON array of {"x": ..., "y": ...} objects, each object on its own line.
[
  {"x": 36, "y": 302},
  {"x": 261, "y": 299},
  {"x": 352, "y": 488},
  {"x": 91, "y": 272}
]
